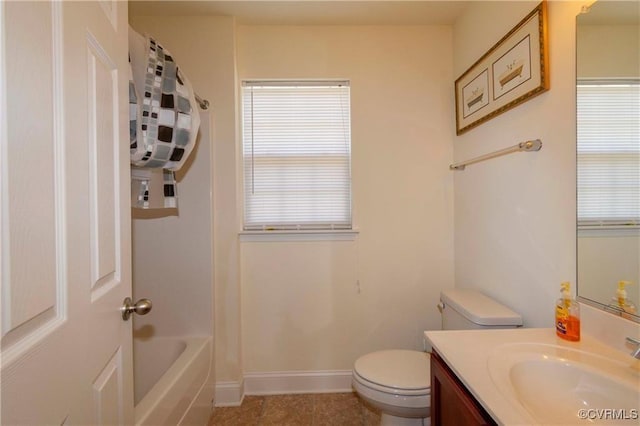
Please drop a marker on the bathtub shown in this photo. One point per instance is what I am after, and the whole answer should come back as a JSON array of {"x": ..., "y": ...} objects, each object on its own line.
[{"x": 170, "y": 375}]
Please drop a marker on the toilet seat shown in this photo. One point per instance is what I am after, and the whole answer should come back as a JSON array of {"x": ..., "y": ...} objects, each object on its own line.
[
  {"x": 389, "y": 390},
  {"x": 397, "y": 372}
]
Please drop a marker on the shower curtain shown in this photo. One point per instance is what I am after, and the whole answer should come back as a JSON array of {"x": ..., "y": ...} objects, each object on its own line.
[{"x": 163, "y": 122}]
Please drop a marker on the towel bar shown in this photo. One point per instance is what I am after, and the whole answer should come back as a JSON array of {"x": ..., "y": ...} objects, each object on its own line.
[{"x": 532, "y": 145}]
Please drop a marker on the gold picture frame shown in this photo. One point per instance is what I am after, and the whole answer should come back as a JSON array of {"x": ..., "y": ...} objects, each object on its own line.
[{"x": 513, "y": 71}]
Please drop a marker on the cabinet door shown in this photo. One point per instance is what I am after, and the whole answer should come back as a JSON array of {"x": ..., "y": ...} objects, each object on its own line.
[{"x": 451, "y": 402}]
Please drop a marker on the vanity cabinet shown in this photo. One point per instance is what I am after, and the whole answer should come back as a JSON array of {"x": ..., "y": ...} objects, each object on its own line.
[{"x": 451, "y": 403}]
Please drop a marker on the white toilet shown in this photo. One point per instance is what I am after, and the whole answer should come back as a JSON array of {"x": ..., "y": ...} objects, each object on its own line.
[{"x": 398, "y": 382}]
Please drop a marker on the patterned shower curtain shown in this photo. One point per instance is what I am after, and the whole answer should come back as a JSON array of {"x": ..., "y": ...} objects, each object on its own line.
[{"x": 163, "y": 122}]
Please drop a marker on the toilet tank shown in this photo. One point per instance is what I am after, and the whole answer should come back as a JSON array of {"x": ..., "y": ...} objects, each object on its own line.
[{"x": 464, "y": 309}]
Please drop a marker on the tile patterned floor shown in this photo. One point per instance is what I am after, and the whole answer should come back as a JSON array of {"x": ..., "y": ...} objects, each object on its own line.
[{"x": 327, "y": 409}]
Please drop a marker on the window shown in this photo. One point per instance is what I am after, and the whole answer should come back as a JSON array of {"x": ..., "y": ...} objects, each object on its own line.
[
  {"x": 608, "y": 153},
  {"x": 296, "y": 155}
]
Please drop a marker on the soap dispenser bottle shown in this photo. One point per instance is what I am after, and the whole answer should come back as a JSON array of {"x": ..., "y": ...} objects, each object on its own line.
[
  {"x": 567, "y": 315},
  {"x": 621, "y": 301}
]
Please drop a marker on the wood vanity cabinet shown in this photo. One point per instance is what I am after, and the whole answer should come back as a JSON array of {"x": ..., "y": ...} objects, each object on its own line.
[{"x": 451, "y": 403}]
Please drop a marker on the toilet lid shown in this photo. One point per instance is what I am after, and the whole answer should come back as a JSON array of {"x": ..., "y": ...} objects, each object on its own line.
[{"x": 398, "y": 369}]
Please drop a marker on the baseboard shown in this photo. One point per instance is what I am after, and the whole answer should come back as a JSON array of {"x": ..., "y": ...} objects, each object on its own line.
[
  {"x": 229, "y": 394},
  {"x": 286, "y": 382}
]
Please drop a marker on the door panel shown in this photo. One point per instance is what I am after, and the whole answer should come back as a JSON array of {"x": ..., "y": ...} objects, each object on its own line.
[
  {"x": 65, "y": 215},
  {"x": 31, "y": 282},
  {"x": 103, "y": 132},
  {"x": 107, "y": 393}
]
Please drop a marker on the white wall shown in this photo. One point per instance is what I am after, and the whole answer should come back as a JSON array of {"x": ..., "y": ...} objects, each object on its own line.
[
  {"x": 204, "y": 47},
  {"x": 608, "y": 51},
  {"x": 515, "y": 215},
  {"x": 302, "y": 307}
]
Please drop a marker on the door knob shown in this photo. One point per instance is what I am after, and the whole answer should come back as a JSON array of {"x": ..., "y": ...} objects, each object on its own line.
[{"x": 141, "y": 307}]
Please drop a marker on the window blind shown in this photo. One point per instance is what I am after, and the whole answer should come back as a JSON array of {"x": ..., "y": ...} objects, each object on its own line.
[
  {"x": 296, "y": 155},
  {"x": 608, "y": 118}
]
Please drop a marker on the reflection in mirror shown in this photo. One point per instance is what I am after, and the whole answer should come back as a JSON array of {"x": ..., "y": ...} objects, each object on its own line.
[{"x": 608, "y": 132}]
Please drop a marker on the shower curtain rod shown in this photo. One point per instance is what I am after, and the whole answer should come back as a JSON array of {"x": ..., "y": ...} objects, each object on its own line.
[
  {"x": 204, "y": 104},
  {"x": 532, "y": 145}
]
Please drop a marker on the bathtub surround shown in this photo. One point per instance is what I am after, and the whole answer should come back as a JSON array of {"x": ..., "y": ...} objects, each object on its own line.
[
  {"x": 181, "y": 289},
  {"x": 177, "y": 281},
  {"x": 182, "y": 296}
]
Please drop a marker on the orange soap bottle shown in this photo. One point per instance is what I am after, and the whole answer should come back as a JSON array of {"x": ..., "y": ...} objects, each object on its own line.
[{"x": 567, "y": 315}]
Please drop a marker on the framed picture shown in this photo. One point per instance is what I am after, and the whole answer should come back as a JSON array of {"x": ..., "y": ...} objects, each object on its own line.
[{"x": 514, "y": 70}]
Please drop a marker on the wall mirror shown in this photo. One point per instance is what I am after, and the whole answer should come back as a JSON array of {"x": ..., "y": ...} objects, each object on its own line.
[{"x": 608, "y": 156}]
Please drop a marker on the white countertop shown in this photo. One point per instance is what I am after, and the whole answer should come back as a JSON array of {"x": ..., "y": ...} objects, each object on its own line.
[{"x": 467, "y": 352}]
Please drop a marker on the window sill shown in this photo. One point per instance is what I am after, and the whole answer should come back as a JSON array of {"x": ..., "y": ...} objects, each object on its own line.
[
  {"x": 321, "y": 235},
  {"x": 608, "y": 231}
]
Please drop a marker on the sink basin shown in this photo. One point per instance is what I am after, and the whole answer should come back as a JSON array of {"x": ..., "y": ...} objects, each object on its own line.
[{"x": 559, "y": 385}]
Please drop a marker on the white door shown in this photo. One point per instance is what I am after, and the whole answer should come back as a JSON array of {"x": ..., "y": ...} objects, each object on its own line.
[{"x": 65, "y": 218}]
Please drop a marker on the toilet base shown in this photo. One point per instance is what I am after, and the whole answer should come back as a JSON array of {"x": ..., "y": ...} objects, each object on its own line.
[
  {"x": 389, "y": 420},
  {"x": 396, "y": 410}
]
